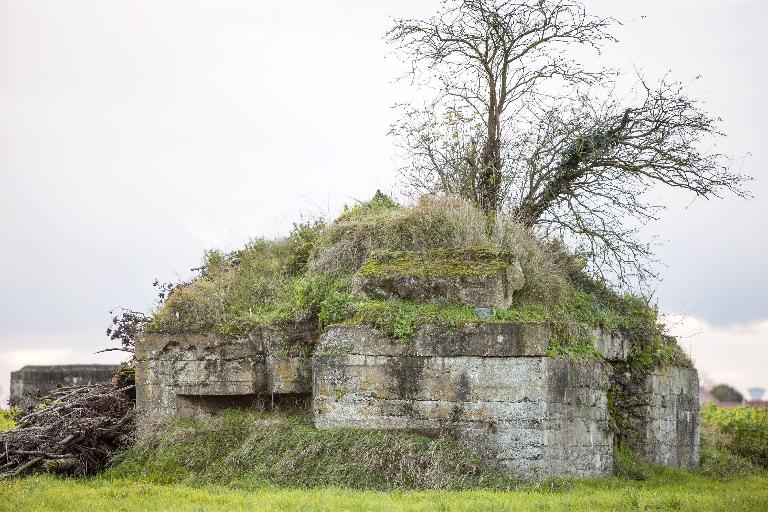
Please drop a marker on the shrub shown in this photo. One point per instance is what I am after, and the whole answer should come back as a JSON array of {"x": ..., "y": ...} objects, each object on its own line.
[
  {"x": 337, "y": 307},
  {"x": 719, "y": 462},
  {"x": 301, "y": 241},
  {"x": 726, "y": 393},
  {"x": 234, "y": 293},
  {"x": 311, "y": 292}
]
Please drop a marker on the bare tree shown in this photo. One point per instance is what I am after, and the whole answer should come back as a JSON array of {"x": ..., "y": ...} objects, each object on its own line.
[
  {"x": 513, "y": 124},
  {"x": 489, "y": 56}
]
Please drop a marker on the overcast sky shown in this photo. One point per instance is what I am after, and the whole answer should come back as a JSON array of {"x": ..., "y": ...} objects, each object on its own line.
[{"x": 136, "y": 134}]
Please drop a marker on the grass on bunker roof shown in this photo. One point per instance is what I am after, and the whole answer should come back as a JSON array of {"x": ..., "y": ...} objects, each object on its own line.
[{"x": 306, "y": 277}]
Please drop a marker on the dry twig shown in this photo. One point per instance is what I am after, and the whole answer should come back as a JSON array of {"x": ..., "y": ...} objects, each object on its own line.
[{"x": 71, "y": 431}]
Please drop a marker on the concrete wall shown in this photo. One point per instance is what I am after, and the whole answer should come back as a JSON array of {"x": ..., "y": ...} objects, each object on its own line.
[
  {"x": 42, "y": 379},
  {"x": 490, "y": 385},
  {"x": 668, "y": 425},
  {"x": 487, "y": 384},
  {"x": 189, "y": 373}
]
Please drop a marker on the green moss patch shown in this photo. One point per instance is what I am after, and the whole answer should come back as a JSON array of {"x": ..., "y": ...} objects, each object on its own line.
[
  {"x": 400, "y": 319},
  {"x": 6, "y": 422},
  {"x": 468, "y": 261}
]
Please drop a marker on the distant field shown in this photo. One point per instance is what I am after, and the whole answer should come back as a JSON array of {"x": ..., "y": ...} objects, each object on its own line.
[{"x": 666, "y": 490}]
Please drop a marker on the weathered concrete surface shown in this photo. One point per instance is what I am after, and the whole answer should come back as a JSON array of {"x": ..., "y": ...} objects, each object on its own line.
[
  {"x": 667, "y": 430},
  {"x": 490, "y": 339},
  {"x": 42, "y": 379},
  {"x": 612, "y": 346},
  {"x": 492, "y": 285},
  {"x": 490, "y": 385},
  {"x": 534, "y": 416},
  {"x": 175, "y": 373}
]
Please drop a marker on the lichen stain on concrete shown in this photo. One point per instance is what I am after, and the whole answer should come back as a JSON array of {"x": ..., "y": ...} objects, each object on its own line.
[{"x": 407, "y": 375}]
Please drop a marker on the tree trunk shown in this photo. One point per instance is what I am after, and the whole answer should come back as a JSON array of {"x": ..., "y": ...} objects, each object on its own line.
[
  {"x": 490, "y": 183},
  {"x": 489, "y": 179}
]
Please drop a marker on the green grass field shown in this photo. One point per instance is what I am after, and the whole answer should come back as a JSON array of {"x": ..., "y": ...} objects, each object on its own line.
[
  {"x": 665, "y": 490},
  {"x": 246, "y": 460}
]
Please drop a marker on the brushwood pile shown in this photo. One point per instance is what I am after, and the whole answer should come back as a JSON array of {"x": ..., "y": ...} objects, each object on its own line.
[
  {"x": 73, "y": 431},
  {"x": 427, "y": 318}
]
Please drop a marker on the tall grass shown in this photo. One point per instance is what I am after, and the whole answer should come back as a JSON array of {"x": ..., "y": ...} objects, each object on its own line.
[
  {"x": 248, "y": 449},
  {"x": 435, "y": 222}
]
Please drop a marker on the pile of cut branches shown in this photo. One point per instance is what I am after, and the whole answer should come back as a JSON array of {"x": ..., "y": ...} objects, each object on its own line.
[{"x": 73, "y": 431}]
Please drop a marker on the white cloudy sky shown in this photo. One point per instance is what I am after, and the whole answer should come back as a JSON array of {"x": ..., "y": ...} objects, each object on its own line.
[{"x": 135, "y": 134}]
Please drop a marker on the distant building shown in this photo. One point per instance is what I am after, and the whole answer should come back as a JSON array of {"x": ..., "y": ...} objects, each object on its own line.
[{"x": 42, "y": 379}]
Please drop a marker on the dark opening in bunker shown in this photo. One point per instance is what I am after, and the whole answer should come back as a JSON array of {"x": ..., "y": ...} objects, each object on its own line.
[{"x": 190, "y": 406}]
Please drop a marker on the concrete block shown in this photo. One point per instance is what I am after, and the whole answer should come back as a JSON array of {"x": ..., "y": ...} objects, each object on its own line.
[{"x": 481, "y": 278}]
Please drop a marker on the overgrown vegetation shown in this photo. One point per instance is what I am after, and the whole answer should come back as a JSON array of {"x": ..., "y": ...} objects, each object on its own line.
[
  {"x": 248, "y": 449},
  {"x": 467, "y": 261},
  {"x": 70, "y": 431},
  {"x": 304, "y": 282},
  {"x": 734, "y": 445},
  {"x": 256, "y": 461},
  {"x": 306, "y": 277}
]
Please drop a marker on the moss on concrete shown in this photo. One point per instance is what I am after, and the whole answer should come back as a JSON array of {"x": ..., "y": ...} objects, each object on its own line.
[
  {"x": 468, "y": 261},
  {"x": 572, "y": 341},
  {"x": 400, "y": 319}
]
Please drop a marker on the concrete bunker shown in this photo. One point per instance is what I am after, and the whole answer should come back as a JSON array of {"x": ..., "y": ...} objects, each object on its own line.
[
  {"x": 42, "y": 379},
  {"x": 496, "y": 386},
  {"x": 192, "y": 373}
]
